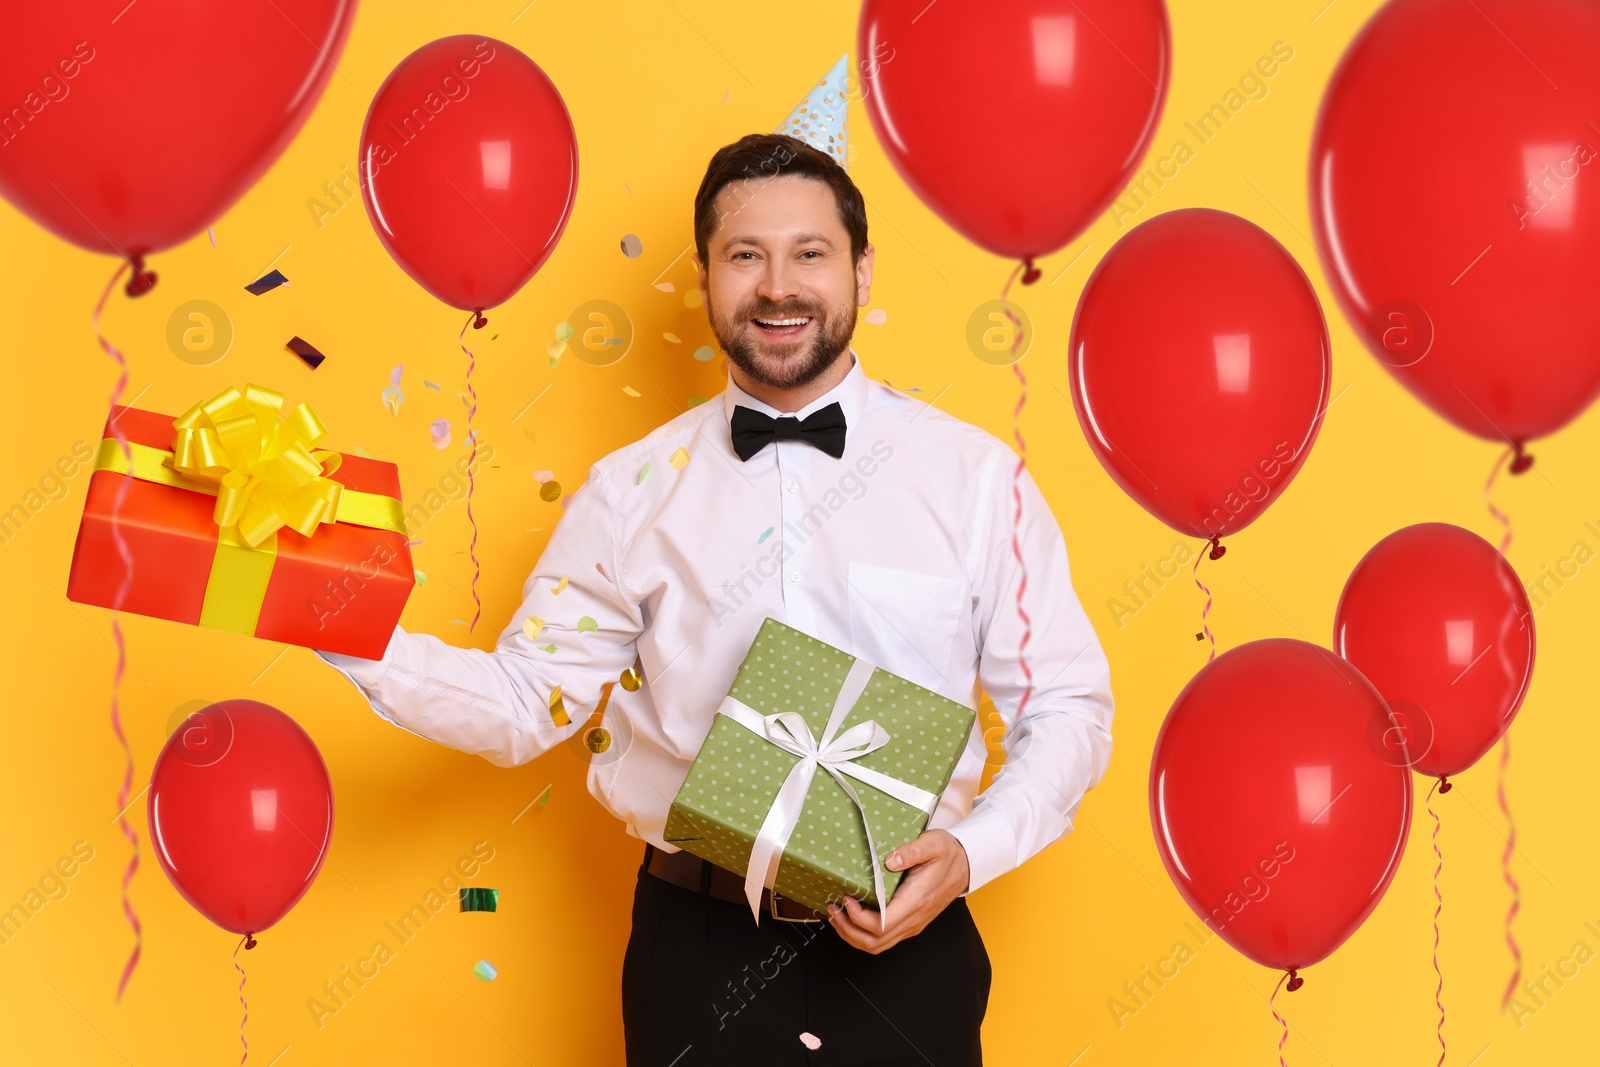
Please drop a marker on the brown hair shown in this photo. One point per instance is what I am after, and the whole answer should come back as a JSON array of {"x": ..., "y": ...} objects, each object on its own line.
[{"x": 770, "y": 154}]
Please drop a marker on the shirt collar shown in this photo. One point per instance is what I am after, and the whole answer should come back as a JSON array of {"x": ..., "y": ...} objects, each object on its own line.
[{"x": 851, "y": 393}]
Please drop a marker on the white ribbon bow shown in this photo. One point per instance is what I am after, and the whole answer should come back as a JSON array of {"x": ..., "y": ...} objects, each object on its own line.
[{"x": 836, "y": 755}]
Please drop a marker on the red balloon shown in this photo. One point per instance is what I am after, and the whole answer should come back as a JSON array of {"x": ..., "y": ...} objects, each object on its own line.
[
  {"x": 129, "y": 128},
  {"x": 1200, "y": 365},
  {"x": 241, "y": 811},
  {"x": 1445, "y": 196},
  {"x": 1436, "y": 618},
  {"x": 469, "y": 165},
  {"x": 1017, "y": 123},
  {"x": 1279, "y": 824}
]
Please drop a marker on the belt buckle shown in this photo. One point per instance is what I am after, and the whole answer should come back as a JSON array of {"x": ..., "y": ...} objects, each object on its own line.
[{"x": 772, "y": 906}]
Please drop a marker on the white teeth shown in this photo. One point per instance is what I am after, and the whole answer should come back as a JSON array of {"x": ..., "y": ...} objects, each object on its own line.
[{"x": 783, "y": 322}]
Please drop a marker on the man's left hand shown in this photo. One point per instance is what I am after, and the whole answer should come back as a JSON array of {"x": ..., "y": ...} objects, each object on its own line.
[{"x": 936, "y": 873}]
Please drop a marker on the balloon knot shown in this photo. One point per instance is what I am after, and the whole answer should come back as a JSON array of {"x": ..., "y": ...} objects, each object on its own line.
[
  {"x": 249, "y": 941},
  {"x": 1445, "y": 785},
  {"x": 1523, "y": 461},
  {"x": 1217, "y": 551},
  {"x": 1295, "y": 981},
  {"x": 480, "y": 322},
  {"x": 142, "y": 281},
  {"x": 1031, "y": 273}
]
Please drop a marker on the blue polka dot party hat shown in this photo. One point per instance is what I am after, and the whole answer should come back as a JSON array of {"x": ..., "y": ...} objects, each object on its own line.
[{"x": 819, "y": 119}]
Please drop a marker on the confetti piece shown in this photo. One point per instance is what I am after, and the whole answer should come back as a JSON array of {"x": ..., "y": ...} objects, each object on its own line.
[
  {"x": 558, "y": 710},
  {"x": 810, "y": 1040},
  {"x": 587, "y": 625},
  {"x": 543, "y": 476},
  {"x": 532, "y": 625},
  {"x": 441, "y": 433},
  {"x": 764, "y": 535},
  {"x": 602, "y": 571},
  {"x": 913, "y": 390},
  {"x": 666, "y": 287},
  {"x": 548, "y": 648},
  {"x": 392, "y": 398},
  {"x": 877, "y": 316},
  {"x": 536, "y": 529},
  {"x": 630, "y": 679},
  {"x": 691, "y": 298},
  {"x": 679, "y": 459},
  {"x": 566, "y": 500},
  {"x": 563, "y": 331},
  {"x": 211, "y": 234},
  {"x": 626, "y": 186},
  {"x": 473, "y": 899},
  {"x": 630, "y": 390},
  {"x": 485, "y": 970},
  {"x": 544, "y": 798},
  {"x": 725, "y": 93},
  {"x": 266, "y": 283},
  {"x": 431, "y": 385},
  {"x": 673, "y": 338},
  {"x": 553, "y": 361},
  {"x": 693, "y": 400},
  {"x": 703, "y": 353},
  {"x": 554, "y": 348},
  {"x": 550, "y": 491},
  {"x": 394, "y": 375},
  {"x": 458, "y": 622},
  {"x": 597, "y": 740},
  {"x": 422, "y": 577},
  {"x": 361, "y": 452},
  {"x": 632, "y": 246},
  {"x": 496, "y": 337},
  {"x": 527, "y": 431},
  {"x": 306, "y": 351},
  {"x": 644, "y": 472},
  {"x": 561, "y": 585}
]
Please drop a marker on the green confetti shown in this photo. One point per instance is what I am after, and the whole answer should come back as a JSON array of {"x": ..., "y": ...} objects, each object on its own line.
[
  {"x": 544, "y": 798},
  {"x": 547, "y": 648},
  {"x": 764, "y": 535},
  {"x": 485, "y": 970},
  {"x": 586, "y": 625},
  {"x": 479, "y": 899},
  {"x": 422, "y": 577},
  {"x": 693, "y": 400},
  {"x": 703, "y": 353},
  {"x": 563, "y": 331},
  {"x": 644, "y": 472}
]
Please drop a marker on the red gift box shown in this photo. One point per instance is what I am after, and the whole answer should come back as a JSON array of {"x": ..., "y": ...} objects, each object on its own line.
[{"x": 340, "y": 589}]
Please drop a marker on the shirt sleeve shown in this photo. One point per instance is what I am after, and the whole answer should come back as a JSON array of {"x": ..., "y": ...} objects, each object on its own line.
[
  {"x": 1058, "y": 745},
  {"x": 497, "y": 704}
]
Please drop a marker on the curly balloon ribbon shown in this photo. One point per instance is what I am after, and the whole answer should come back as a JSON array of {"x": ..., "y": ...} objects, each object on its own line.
[
  {"x": 476, "y": 321},
  {"x": 1272, "y": 1006},
  {"x": 116, "y": 633},
  {"x": 1437, "y": 908},
  {"x": 246, "y": 941},
  {"x": 1505, "y": 761},
  {"x": 1205, "y": 627},
  {"x": 1031, "y": 275}
]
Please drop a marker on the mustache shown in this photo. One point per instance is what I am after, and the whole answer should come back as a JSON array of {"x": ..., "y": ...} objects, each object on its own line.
[{"x": 783, "y": 313}]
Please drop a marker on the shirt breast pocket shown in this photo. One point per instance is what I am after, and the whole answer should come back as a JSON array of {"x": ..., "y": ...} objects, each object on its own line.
[{"x": 905, "y": 621}]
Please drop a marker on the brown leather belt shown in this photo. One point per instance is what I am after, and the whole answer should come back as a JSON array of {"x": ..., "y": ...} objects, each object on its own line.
[{"x": 685, "y": 869}]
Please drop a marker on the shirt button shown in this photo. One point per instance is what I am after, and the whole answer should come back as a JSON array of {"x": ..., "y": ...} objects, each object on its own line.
[{"x": 793, "y": 487}]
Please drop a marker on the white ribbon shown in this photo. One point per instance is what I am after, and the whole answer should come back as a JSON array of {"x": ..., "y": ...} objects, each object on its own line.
[{"x": 836, "y": 755}]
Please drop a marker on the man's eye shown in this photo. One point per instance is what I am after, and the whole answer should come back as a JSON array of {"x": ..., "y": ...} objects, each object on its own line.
[
  {"x": 811, "y": 252},
  {"x": 736, "y": 255}
]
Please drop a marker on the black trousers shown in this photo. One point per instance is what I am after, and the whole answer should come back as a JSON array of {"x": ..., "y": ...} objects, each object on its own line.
[{"x": 704, "y": 986}]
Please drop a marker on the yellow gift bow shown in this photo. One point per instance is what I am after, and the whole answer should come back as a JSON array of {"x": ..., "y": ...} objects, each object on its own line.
[
  {"x": 266, "y": 474},
  {"x": 265, "y": 468}
]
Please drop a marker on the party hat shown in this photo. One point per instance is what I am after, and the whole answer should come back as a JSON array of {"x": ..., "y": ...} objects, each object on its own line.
[{"x": 819, "y": 119}]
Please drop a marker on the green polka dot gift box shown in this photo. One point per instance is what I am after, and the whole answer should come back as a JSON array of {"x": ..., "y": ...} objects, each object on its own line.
[{"x": 814, "y": 753}]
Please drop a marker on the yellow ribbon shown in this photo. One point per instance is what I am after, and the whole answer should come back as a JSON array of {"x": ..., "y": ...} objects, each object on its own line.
[{"x": 266, "y": 474}]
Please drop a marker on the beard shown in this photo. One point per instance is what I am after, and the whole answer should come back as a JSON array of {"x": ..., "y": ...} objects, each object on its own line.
[{"x": 778, "y": 365}]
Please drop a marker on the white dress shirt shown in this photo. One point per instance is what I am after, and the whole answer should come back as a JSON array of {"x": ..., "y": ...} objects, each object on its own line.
[{"x": 899, "y": 551}]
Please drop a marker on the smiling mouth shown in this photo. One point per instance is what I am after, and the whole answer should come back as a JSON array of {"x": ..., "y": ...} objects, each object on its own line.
[{"x": 783, "y": 329}]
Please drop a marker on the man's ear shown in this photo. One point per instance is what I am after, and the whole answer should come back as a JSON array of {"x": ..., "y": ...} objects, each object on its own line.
[
  {"x": 864, "y": 276},
  {"x": 701, "y": 278}
]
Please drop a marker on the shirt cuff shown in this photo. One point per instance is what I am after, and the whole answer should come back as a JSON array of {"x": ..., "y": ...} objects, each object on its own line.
[
  {"x": 363, "y": 672},
  {"x": 990, "y": 844}
]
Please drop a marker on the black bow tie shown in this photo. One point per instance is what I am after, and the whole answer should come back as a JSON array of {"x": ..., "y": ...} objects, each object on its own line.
[{"x": 752, "y": 430}]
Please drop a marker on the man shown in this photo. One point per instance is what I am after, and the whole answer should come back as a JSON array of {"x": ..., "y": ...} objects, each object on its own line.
[{"x": 876, "y": 523}]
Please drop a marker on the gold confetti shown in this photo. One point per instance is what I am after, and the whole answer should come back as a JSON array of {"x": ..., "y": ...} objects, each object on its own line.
[
  {"x": 630, "y": 679},
  {"x": 562, "y": 584},
  {"x": 587, "y": 625},
  {"x": 549, "y": 491},
  {"x": 673, "y": 338},
  {"x": 630, "y": 390},
  {"x": 598, "y": 739},
  {"x": 691, "y": 298},
  {"x": 555, "y": 348},
  {"x": 679, "y": 459},
  {"x": 558, "y": 710},
  {"x": 532, "y": 625},
  {"x": 644, "y": 472}
]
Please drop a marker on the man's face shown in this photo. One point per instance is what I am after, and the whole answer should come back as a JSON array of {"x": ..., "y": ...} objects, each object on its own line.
[{"x": 780, "y": 289}]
